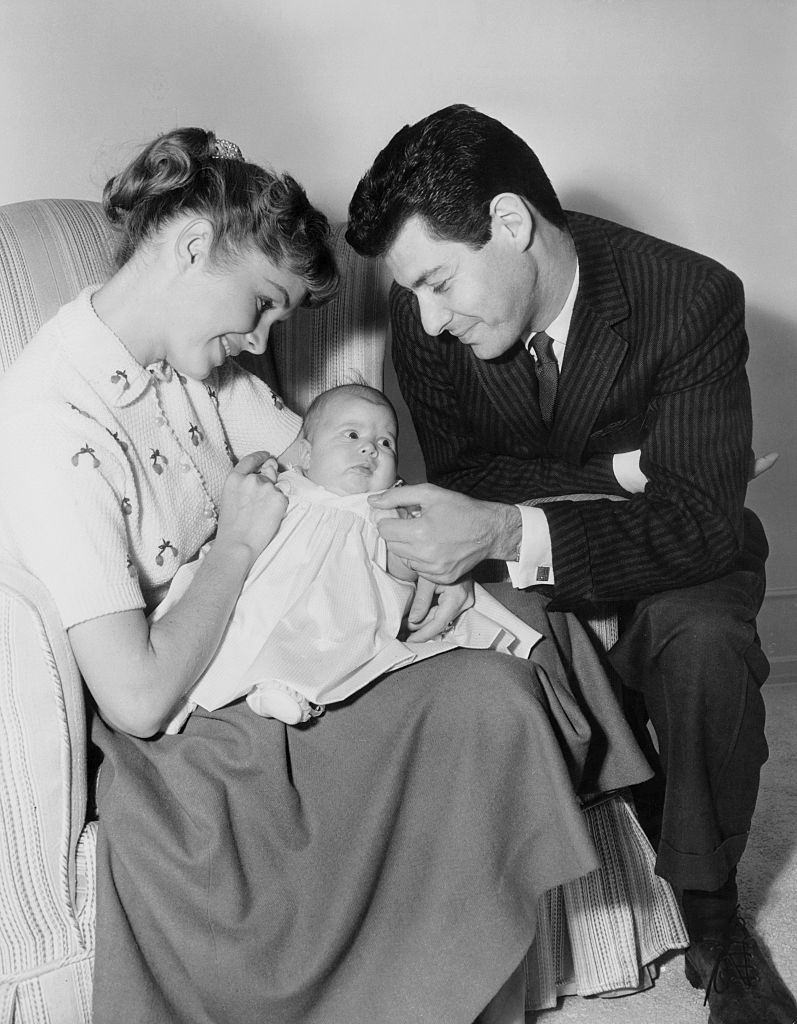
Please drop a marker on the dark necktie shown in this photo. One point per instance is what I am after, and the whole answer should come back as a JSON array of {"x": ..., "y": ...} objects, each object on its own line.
[{"x": 547, "y": 370}]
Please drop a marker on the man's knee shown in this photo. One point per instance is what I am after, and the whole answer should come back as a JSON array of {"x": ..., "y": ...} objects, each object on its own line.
[{"x": 693, "y": 624}]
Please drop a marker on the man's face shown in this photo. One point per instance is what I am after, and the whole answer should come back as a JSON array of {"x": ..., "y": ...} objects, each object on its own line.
[{"x": 486, "y": 297}]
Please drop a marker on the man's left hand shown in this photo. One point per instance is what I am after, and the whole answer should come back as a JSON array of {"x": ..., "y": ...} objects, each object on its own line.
[{"x": 428, "y": 620}]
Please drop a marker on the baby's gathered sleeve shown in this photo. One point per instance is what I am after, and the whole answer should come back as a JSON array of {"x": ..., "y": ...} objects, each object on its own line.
[
  {"x": 64, "y": 508},
  {"x": 254, "y": 417},
  {"x": 380, "y": 553}
]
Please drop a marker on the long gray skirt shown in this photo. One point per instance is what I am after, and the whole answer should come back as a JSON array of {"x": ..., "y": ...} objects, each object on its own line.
[{"x": 381, "y": 864}]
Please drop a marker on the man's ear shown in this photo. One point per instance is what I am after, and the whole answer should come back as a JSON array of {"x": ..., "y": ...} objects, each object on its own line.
[
  {"x": 193, "y": 243},
  {"x": 513, "y": 219}
]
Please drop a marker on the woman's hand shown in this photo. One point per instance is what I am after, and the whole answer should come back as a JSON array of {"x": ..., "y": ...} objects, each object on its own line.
[
  {"x": 428, "y": 620},
  {"x": 139, "y": 672},
  {"x": 252, "y": 508}
]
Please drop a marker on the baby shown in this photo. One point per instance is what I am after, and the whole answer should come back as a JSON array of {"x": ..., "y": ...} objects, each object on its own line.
[
  {"x": 322, "y": 608},
  {"x": 348, "y": 445}
]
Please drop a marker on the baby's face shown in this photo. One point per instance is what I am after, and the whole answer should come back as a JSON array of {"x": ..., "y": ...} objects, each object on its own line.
[{"x": 353, "y": 449}]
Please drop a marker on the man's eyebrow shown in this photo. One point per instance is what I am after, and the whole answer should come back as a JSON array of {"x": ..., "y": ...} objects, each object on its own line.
[{"x": 424, "y": 278}]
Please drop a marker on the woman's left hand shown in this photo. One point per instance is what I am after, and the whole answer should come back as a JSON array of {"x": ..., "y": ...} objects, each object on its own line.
[{"x": 428, "y": 620}]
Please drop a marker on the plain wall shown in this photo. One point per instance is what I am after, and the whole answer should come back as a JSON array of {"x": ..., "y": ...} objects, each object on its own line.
[{"x": 674, "y": 116}]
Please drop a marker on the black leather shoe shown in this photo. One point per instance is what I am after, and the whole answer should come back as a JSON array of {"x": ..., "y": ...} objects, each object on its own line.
[{"x": 741, "y": 985}]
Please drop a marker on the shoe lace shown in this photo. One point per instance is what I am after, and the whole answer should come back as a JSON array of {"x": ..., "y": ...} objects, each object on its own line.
[{"x": 735, "y": 961}]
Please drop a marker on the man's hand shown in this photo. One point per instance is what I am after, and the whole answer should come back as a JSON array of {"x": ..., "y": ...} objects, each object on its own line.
[
  {"x": 761, "y": 464},
  {"x": 447, "y": 533},
  {"x": 427, "y": 620},
  {"x": 631, "y": 477}
]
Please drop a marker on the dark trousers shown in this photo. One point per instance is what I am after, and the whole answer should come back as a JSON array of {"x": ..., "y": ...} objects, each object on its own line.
[{"x": 693, "y": 661}]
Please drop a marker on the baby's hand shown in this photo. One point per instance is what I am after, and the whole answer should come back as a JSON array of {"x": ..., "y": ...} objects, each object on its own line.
[{"x": 270, "y": 469}]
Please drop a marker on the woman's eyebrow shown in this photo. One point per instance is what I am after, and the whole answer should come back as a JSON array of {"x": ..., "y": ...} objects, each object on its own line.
[{"x": 285, "y": 297}]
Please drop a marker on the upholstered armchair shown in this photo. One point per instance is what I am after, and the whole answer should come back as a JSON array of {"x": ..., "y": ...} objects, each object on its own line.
[{"x": 49, "y": 250}]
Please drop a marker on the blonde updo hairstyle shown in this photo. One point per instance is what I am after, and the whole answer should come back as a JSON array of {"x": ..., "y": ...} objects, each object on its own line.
[{"x": 249, "y": 207}]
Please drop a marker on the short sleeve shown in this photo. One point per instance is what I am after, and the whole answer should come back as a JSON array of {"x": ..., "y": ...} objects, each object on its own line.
[
  {"x": 63, "y": 512},
  {"x": 253, "y": 416}
]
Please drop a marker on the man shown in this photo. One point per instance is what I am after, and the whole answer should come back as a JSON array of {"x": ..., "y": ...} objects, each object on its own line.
[{"x": 544, "y": 354}]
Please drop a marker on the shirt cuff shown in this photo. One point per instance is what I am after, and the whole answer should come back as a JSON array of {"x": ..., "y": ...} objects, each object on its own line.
[
  {"x": 629, "y": 476},
  {"x": 535, "y": 560}
]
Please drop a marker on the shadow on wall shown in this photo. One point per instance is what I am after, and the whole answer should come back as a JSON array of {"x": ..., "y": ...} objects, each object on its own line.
[
  {"x": 772, "y": 370},
  {"x": 585, "y": 201}
]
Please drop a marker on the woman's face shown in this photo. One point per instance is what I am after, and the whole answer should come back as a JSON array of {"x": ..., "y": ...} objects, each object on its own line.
[
  {"x": 223, "y": 310},
  {"x": 353, "y": 446}
]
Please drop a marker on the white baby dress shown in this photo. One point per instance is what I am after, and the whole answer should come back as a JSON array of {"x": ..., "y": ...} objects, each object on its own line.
[{"x": 319, "y": 615}]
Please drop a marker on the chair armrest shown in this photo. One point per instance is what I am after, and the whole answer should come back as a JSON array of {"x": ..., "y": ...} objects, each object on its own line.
[{"x": 43, "y": 771}]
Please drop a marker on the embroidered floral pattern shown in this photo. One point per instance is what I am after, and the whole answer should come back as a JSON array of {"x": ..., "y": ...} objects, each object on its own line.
[
  {"x": 195, "y": 434},
  {"x": 158, "y": 461},
  {"x": 163, "y": 547},
  {"x": 86, "y": 450},
  {"x": 127, "y": 507},
  {"x": 120, "y": 377}
]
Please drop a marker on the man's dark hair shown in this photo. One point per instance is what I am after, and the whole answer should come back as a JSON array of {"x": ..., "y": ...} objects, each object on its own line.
[{"x": 446, "y": 169}]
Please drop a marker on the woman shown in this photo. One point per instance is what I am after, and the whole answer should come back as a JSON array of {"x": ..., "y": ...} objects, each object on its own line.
[{"x": 381, "y": 865}]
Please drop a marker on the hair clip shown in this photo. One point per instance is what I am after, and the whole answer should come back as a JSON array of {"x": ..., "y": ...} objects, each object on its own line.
[{"x": 223, "y": 149}]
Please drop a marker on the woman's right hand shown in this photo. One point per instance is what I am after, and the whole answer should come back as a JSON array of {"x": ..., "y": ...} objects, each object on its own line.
[{"x": 251, "y": 507}]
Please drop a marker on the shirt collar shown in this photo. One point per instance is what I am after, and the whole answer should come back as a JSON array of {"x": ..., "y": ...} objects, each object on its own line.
[
  {"x": 101, "y": 358},
  {"x": 560, "y": 326}
]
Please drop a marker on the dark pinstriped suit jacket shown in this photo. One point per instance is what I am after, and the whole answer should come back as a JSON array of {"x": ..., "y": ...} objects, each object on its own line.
[{"x": 655, "y": 360}]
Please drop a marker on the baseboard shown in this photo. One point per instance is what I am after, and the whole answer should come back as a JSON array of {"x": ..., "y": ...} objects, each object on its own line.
[{"x": 777, "y": 627}]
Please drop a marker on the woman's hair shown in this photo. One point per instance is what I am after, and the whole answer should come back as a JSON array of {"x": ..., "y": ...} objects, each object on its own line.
[
  {"x": 359, "y": 389},
  {"x": 250, "y": 207},
  {"x": 446, "y": 169}
]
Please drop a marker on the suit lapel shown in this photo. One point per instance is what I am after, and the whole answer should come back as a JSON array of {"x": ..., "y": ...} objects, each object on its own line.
[
  {"x": 595, "y": 351},
  {"x": 593, "y": 358}
]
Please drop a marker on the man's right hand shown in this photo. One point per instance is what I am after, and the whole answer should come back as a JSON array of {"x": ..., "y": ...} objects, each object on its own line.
[{"x": 447, "y": 533}]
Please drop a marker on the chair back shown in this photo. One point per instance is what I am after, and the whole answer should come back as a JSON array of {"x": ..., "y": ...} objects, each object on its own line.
[{"x": 50, "y": 249}]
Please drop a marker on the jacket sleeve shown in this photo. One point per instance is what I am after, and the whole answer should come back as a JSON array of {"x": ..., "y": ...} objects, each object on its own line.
[
  {"x": 432, "y": 386},
  {"x": 687, "y": 527}
]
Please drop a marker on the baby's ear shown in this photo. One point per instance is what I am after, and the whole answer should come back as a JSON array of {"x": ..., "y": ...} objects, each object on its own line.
[{"x": 305, "y": 450}]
